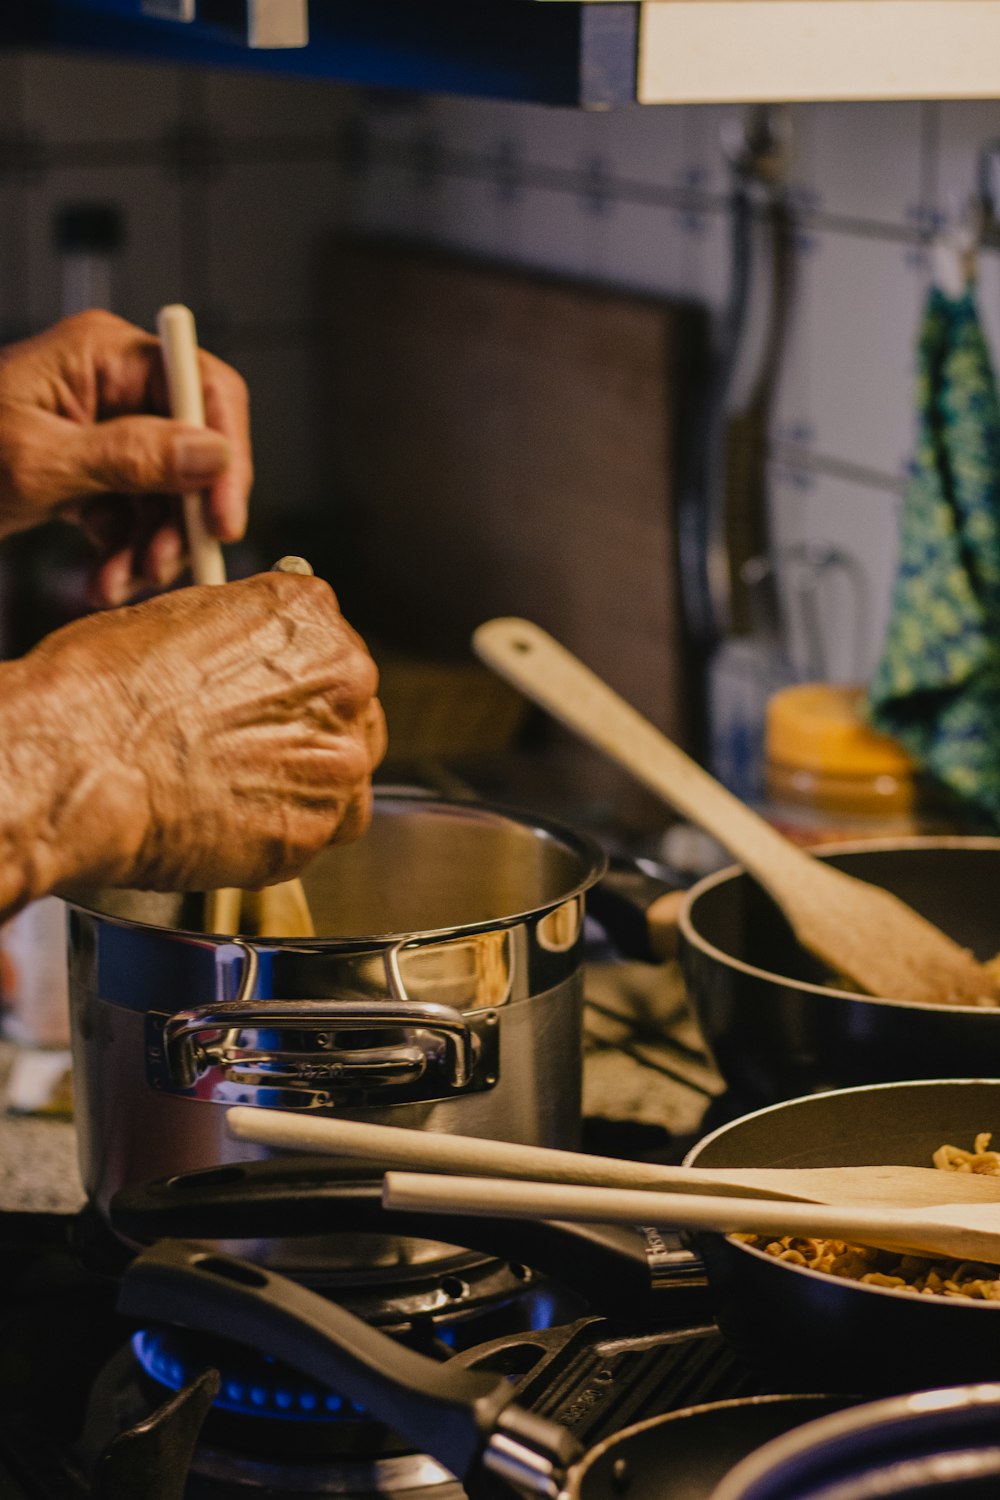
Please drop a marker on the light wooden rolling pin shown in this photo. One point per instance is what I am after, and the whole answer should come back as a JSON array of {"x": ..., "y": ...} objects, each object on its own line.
[{"x": 280, "y": 910}]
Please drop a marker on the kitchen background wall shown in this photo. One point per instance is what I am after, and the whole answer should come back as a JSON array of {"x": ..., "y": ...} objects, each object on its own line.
[{"x": 230, "y": 184}]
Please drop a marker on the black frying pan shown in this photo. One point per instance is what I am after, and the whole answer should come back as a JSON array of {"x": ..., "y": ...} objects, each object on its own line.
[
  {"x": 807, "y": 1330},
  {"x": 776, "y": 1023},
  {"x": 904, "y": 1448}
]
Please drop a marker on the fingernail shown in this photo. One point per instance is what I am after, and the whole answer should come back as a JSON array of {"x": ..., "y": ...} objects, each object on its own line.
[{"x": 199, "y": 456}]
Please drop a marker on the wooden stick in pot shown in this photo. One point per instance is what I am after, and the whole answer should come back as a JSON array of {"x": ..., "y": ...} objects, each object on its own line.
[
  {"x": 279, "y": 910},
  {"x": 436, "y": 1151},
  {"x": 966, "y": 1231},
  {"x": 855, "y": 928}
]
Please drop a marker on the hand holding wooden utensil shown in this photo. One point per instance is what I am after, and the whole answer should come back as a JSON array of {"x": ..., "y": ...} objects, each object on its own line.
[{"x": 279, "y": 910}]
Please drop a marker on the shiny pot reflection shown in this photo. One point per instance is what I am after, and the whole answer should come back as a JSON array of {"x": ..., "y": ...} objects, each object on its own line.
[{"x": 443, "y": 992}]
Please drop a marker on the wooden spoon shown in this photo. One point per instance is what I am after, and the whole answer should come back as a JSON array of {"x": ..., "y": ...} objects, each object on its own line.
[
  {"x": 967, "y": 1231},
  {"x": 279, "y": 910},
  {"x": 856, "y": 929},
  {"x": 432, "y": 1151}
]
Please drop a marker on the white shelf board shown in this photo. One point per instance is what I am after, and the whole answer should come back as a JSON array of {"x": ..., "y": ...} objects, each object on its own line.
[{"x": 732, "y": 51}]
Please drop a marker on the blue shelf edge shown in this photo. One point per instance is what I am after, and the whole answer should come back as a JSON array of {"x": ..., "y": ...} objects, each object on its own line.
[{"x": 561, "y": 53}]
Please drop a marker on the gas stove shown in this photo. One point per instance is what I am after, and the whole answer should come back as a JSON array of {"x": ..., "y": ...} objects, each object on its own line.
[
  {"x": 94, "y": 1407},
  {"x": 595, "y": 1330}
]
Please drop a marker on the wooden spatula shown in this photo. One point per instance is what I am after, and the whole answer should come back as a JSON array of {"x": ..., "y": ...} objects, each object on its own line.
[
  {"x": 279, "y": 910},
  {"x": 858, "y": 930},
  {"x": 966, "y": 1231},
  {"x": 433, "y": 1151}
]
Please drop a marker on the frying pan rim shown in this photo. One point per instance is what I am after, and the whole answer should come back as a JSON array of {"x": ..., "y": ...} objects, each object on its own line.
[
  {"x": 958, "y": 1303},
  {"x": 592, "y": 1455},
  {"x": 696, "y": 941},
  {"x": 904, "y": 1408}
]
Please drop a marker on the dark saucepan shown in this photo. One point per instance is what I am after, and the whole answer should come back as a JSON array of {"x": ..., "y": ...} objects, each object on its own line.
[
  {"x": 776, "y": 1022},
  {"x": 803, "y": 1329},
  {"x": 906, "y": 1448}
]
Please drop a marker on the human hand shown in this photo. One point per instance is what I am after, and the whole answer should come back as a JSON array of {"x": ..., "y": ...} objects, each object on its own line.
[
  {"x": 83, "y": 435},
  {"x": 209, "y": 737}
]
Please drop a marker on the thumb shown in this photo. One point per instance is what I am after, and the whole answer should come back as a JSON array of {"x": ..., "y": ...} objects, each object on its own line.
[{"x": 140, "y": 455}]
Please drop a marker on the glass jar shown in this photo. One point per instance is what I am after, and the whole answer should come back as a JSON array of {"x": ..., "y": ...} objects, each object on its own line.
[{"x": 830, "y": 777}]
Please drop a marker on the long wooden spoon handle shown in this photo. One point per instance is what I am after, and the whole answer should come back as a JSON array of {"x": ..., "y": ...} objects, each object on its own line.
[
  {"x": 552, "y": 677},
  {"x": 179, "y": 343},
  {"x": 434, "y": 1151},
  {"x": 897, "y": 1229}
]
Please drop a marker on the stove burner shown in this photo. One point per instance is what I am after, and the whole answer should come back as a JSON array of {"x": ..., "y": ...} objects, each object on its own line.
[{"x": 252, "y": 1383}]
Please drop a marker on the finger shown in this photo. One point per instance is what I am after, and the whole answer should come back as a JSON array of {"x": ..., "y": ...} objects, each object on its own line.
[
  {"x": 376, "y": 733},
  {"x": 135, "y": 455},
  {"x": 227, "y": 411},
  {"x": 148, "y": 526},
  {"x": 356, "y": 818},
  {"x": 111, "y": 582},
  {"x": 162, "y": 558},
  {"x": 105, "y": 520}
]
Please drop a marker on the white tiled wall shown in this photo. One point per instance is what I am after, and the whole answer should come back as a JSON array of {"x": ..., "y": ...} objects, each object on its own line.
[{"x": 635, "y": 198}]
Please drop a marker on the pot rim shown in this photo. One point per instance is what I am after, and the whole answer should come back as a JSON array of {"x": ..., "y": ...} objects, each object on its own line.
[
  {"x": 905, "y": 1411},
  {"x": 684, "y": 1413},
  {"x": 694, "y": 939},
  {"x": 958, "y": 1304},
  {"x": 582, "y": 844}
]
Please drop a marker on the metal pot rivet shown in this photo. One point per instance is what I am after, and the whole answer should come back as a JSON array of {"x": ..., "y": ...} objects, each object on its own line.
[{"x": 621, "y": 1476}]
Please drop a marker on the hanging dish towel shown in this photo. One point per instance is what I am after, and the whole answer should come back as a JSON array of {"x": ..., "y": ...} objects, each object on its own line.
[{"x": 937, "y": 686}]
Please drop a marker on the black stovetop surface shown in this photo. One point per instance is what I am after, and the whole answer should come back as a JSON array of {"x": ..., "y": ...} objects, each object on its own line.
[{"x": 62, "y": 1342}]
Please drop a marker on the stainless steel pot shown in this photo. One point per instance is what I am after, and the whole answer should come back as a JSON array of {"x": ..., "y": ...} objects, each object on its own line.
[{"x": 444, "y": 994}]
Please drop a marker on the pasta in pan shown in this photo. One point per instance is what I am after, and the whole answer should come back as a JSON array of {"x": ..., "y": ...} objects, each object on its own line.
[{"x": 915, "y": 1275}]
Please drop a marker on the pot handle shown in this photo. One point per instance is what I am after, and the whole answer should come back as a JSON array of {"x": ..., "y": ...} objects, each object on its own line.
[
  {"x": 237, "y": 1051},
  {"x": 188, "y": 1052},
  {"x": 638, "y": 905},
  {"x": 614, "y": 1268},
  {"x": 461, "y": 1417}
]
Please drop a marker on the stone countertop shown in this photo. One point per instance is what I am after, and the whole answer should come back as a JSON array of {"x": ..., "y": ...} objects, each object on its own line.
[{"x": 38, "y": 1168}]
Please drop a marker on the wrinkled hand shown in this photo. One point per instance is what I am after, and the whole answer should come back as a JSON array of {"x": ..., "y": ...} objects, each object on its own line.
[
  {"x": 220, "y": 736},
  {"x": 83, "y": 435}
]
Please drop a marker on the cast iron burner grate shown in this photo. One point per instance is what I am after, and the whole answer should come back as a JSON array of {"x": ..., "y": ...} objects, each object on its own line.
[{"x": 63, "y": 1350}]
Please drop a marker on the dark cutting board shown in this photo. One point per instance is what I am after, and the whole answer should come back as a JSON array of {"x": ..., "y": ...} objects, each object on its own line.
[{"x": 503, "y": 442}]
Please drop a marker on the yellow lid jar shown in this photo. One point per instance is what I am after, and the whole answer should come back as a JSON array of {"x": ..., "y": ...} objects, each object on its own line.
[{"x": 829, "y": 776}]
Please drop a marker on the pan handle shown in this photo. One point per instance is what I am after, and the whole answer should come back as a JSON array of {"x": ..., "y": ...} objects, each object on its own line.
[
  {"x": 461, "y": 1417},
  {"x": 638, "y": 904},
  {"x": 614, "y": 1268}
]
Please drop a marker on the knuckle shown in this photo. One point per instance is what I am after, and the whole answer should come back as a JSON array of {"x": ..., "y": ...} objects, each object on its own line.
[
  {"x": 93, "y": 322},
  {"x": 19, "y": 464},
  {"x": 133, "y": 456}
]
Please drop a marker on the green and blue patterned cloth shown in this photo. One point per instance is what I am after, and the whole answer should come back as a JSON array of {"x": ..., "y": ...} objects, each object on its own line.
[{"x": 937, "y": 686}]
